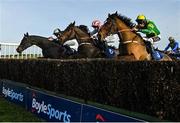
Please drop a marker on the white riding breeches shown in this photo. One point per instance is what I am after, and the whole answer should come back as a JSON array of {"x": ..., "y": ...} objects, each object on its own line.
[
  {"x": 113, "y": 40},
  {"x": 72, "y": 44}
]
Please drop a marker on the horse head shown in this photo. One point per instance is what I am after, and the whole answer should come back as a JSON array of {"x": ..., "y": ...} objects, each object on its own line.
[
  {"x": 25, "y": 43},
  {"x": 68, "y": 33},
  {"x": 109, "y": 27},
  {"x": 80, "y": 33},
  {"x": 86, "y": 47},
  {"x": 115, "y": 23}
]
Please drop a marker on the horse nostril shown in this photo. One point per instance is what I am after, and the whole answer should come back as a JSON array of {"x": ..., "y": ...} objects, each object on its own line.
[{"x": 19, "y": 49}]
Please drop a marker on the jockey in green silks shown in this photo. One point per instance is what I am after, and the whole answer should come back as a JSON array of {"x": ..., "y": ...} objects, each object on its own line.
[{"x": 151, "y": 31}]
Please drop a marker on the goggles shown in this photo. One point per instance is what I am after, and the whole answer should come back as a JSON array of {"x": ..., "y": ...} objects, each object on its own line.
[{"x": 140, "y": 21}]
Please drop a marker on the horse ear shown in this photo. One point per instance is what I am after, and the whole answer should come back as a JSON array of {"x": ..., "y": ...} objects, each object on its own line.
[
  {"x": 116, "y": 13},
  {"x": 73, "y": 23},
  {"x": 27, "y": 34},
  {"x": 108, "y": 15}
]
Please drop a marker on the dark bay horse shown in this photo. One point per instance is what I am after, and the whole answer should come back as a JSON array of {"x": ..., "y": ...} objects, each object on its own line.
[
  {"x": 86, "y": 48},
  {"x": 132, "y": 46},
  {"x": 49, "y": 49}
]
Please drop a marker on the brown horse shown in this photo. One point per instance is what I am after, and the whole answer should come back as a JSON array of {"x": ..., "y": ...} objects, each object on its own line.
[
  {"x": 132, "y": 46},
  {"x": 86, "y": 48}
]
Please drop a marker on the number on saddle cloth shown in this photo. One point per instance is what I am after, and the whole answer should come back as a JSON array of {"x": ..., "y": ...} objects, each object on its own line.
[
  {"x": 157, "y": 55},
  {"x": 110, "y": 52}
]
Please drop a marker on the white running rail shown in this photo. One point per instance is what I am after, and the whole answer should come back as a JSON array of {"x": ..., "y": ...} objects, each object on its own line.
[{"x": 8, "y": 50}]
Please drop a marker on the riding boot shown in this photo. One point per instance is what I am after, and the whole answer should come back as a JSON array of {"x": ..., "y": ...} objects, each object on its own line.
[
  {"x": 153, "y": 52},
  {"x": 150, "y": 48},
  {"x": 105, "y": 46},
  {"x": 69, "y": 50},
  {"x": 101, "y": 45}
]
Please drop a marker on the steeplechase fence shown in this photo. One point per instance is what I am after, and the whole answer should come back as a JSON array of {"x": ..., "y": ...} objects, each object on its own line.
[
  {"x": 148, "y": 87},
  {"x": 8, "y": 50}
]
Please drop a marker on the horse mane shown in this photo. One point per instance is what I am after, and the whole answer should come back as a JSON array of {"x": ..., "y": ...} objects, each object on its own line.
[
  {"x": 81, "y": 27},
  {"x": 84, "y": 28},
  {"x": 125, "y": 19},
  {"x": 40, "y": 37},
  {"x": 69, "y": 26}
]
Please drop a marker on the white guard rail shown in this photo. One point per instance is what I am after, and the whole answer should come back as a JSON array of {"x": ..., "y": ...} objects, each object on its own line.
[{"x": 8, "y": 50}]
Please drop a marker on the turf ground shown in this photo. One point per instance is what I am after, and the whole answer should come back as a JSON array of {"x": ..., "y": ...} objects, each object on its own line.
[{"x": 10, "y": 112}]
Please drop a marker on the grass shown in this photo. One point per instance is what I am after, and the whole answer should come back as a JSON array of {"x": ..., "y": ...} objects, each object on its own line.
[{"x": 10, "y": 112}]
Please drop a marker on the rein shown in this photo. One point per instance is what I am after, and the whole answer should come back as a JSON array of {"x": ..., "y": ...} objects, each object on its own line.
[
  {"x": 129, "y": 41},
  {"x": 125, "y": 30},
  {"x": 84, "y": 38},
  {"x": 84, "y": 43}
]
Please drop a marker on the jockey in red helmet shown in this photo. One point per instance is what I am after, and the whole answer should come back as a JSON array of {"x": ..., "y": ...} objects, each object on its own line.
[{"x": 96, "y": 24}]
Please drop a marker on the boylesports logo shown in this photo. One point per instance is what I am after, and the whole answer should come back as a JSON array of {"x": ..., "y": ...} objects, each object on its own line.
[
  {"x": 49, "y": 110},
  {"x": 12, "y": 94}
]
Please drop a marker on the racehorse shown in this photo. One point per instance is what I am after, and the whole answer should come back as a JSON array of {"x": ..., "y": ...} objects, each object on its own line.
[
  {"x": 50, "y": 49},
  {"x": 87, "y": 48},
  {"x": 174, "y": 56},
  {"x": 132, "y": 46}
]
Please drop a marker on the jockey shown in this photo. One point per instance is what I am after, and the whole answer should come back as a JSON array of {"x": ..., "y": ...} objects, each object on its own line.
[
  {"x": 174, "y": 45},
  {"x": 71, "y": 45},
  {"x": 56, "y": 33},
  {"x": 151, "y": 31},
  {"x": 96, "y": 24}
]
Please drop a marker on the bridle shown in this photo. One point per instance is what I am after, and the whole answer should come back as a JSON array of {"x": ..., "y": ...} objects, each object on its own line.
[
  {"x": 123, "y": 30},
  {"x": 63, "y": 37},
  {"x": 78, "y": 38},
  {"x": 82, "y": 38}
]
